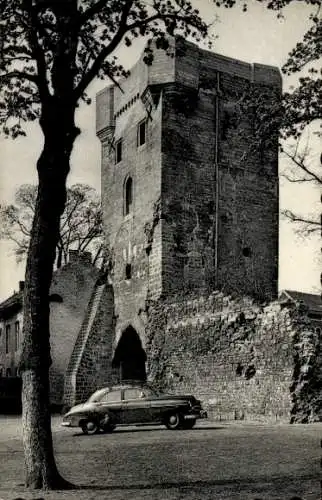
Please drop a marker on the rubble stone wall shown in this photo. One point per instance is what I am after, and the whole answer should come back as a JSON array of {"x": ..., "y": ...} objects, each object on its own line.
[{"x": 243, "y": 360}]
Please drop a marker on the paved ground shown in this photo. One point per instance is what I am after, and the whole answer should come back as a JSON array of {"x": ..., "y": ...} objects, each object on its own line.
[{"x": 223, "y": 461}]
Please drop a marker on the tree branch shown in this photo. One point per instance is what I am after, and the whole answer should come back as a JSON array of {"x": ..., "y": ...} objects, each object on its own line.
[
  {"x": 21, "y": 75},
  {"x": 313, "y": 225},
  {"x": 297, "y": 180},
  {"x": 94, "y": 69},
  {"x": 122, "y": 30},
  {"x": 23, "y": 228},
  {"x": 37, "y": 51},
  {"x": 91, "y": 11},
  {"x": 305, "y": 169}
]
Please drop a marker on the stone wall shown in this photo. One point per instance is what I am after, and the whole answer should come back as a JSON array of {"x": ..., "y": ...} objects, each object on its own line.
[
  {"x": 73, "y": 285},
  {"x": 242, "y": 359},
  {"x": 219, "y": 192},
  {"x": 90, "y": 364},
  {"x": 129, "y": 236},
  {"x": 204, "y": 213},
  {"x": 9, "y": 360}
]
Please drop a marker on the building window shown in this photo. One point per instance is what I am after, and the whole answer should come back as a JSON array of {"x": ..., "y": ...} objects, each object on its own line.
[
  {"x": 128, "y": 195},
  {"x": 17, "y": 335},
  {"x": 118, "y": 151},
  {"x": 247, "y": 252},
  {"x": 128, "y": 271},
  {"x": 8, "y": 328},
  {"x": 141, "y": 133}
]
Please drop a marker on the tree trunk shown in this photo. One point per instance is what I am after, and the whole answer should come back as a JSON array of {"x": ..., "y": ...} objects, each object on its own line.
[
  {"x": 59, "y": 256},
  {"x": 53, "y": 168}
]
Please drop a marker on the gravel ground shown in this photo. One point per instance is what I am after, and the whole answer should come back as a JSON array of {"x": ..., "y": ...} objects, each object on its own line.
[{"x": 224, "y": 461}]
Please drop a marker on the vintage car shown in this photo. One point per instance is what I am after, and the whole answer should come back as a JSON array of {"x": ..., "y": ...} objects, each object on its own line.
[{"x": 133, "y": 405}]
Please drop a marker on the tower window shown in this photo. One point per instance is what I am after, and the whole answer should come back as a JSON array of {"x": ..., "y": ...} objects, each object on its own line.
[
  {"x": 8, "y": 328},
  {"x": 118, "y": 151},
  {"x": 142, "y": 133},
  {"x": 128, "y": 196},
  {"x": 17, "y": 335},
  {"x": 128, "y": 271},
  {"x": 247, "y": 252}
]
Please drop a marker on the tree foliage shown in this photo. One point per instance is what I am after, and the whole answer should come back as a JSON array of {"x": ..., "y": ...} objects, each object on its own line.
[
  {"x": 40, "y": 36},
  {"x": 80, "y": 224}
]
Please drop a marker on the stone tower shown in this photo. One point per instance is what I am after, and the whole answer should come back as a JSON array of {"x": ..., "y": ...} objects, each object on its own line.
[{"x": 187, "y": 203}]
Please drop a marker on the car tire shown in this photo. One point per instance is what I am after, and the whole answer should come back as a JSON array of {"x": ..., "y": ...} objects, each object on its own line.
[
  {"x": 90, "y": 427},
  {"x": 189, "y": 424},
  {"x": 174, "y": 421}
]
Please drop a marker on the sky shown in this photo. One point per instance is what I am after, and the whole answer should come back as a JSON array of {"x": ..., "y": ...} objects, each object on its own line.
[{"x": 255, "y": 36}]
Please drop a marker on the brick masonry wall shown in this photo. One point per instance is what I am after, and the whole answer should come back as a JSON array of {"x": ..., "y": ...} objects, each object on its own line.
[
  {"x": 221, "y": 224},
  {"x": 129, "y": 236},
  {"x": 74, "y": 283},
  {"x": 204, "y": 213},
  {"x": 95, "y": 368},
  {"x": 10, "y": 360},
  {"x": 243, "y": 360}
]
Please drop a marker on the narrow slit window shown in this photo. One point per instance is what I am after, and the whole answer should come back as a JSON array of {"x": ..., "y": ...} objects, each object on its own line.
[
  {"x": 128, "y": 271},
  {"x": 118, "y": 151},
  {"x": 128, "y": 196},
  {"x": 8, "y": 328},
  {"x": 142, "y": 133},
  {"x": 17, "y": 335}
]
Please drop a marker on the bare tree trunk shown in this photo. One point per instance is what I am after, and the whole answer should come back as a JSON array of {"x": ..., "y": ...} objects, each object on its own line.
[
  {"x": 59, "y": 256},
  {"x": 53, "y": 168}
]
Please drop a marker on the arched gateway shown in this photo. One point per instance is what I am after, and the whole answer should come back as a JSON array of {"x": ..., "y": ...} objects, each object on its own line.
[{"x": 129, "y": 358}]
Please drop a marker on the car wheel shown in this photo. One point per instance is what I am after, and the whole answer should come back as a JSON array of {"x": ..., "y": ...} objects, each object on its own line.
[
  {"x": 173, "y": 421},
  {"x": 90, "y": 427},
  {"x": 189, "y": 424}
]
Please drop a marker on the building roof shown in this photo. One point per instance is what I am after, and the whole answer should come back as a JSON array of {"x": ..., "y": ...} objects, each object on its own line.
[
  {"x": 11, "y": 305},
  {"x": 312, "y": 301}
]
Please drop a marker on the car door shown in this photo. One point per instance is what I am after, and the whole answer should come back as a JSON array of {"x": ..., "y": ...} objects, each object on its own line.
[
  {"x": 136, "y": 406},
  {"x": 111, "y": 403}
]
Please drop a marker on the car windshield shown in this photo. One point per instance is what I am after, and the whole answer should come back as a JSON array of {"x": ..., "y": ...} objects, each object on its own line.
[
  {"x": 152, "y": 391},
  {"x": 97, "y": 396}
]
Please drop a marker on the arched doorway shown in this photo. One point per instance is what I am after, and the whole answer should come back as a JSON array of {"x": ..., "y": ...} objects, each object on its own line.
[{"x": 129, "y": 358}]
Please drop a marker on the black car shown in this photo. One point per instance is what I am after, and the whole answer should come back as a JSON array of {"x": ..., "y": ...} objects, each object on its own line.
[{"x": 132, "y": 405}]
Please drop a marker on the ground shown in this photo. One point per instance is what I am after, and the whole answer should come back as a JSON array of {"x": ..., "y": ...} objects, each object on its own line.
[{"x": 213, "y": 461}]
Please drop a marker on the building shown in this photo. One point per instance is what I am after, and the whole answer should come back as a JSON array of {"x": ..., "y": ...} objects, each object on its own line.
[
  {"x": 188, "y": 204},
  {"x": 71, "y": 289},
  {"x": 310, "y": 302},
  {"x": 10, "y": 333},
  {"x": 190, "y": 210}
]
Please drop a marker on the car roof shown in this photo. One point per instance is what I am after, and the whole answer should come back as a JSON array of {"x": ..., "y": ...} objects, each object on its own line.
[{"x": 119, "y": 387}]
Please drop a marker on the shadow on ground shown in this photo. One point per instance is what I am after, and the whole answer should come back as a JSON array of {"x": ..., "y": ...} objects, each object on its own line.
[{"x": 144, "y": 429}]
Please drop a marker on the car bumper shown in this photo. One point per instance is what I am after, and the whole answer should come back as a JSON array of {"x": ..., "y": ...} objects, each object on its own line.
[
  {"x": 195, "y": 416},
  {"x": 66, "y": 424},
  {"x": 72, "y": 422}
]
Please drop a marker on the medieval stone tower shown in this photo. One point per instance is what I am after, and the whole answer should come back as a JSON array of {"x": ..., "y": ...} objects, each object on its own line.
[{"x": 188, "y": 204}]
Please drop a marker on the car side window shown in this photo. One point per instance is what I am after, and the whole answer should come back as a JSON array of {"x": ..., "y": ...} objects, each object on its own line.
[
  {"x": 134, "y": 394},
  {"x": 112, "y": 397}
]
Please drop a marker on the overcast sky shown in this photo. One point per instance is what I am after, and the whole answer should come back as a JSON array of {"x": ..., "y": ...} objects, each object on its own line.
[{"x": 257, "y": 36}]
